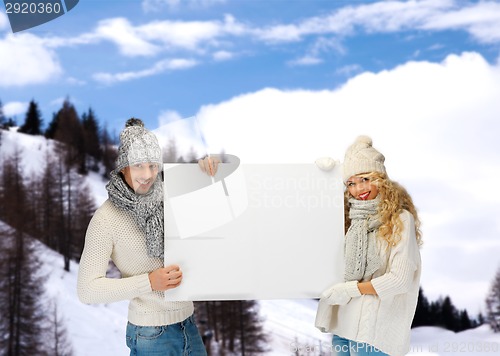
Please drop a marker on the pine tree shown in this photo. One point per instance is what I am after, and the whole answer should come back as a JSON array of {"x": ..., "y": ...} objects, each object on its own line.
[
  {"x": 69, "y": 131},
  {"x": 234, "y": 325},
  {"x": 3, "y": 120},
  {"x": 92, "y": 141},
  {"x": 84, "y": 209},
  {"x": 493, "y": 304},
  {"x": 465, "y": 322},
  {"x": 53, "y": 126},
  {"x": 109, "y": 152},
  {"x": 33, "y": 120},
  {"x": 422, "y": 313},
  {"x": 48, "y": 215},
  {"x": 58, "y": 335},
  {"x": 450, "y": 315},
  {"x": 252, "y": 337},
  {"x": 11, "y": 122},
  {"x": 171, "y": 152},
  {"x": 480, "y": 319},
  {"x": 192, "y": 156},
  {"x": 22, "y": 313}
]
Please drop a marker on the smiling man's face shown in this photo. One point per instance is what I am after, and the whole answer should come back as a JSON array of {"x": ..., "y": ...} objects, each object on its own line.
[{"x": 141, "y": 177}]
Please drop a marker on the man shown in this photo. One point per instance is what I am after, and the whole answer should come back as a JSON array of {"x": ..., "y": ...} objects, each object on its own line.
[{"x": 128, "y": 229}]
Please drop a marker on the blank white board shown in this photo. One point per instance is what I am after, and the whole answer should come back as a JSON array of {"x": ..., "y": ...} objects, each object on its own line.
[{"x": 254, "y": 231}]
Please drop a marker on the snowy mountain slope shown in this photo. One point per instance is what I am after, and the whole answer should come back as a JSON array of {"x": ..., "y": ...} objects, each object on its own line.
[
  {"x": 99, "y": 330},
  {"x": 93, "y": 329},
  {"x": 34, "y": 151}
]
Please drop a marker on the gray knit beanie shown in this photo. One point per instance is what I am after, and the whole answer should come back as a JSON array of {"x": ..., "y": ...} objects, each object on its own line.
[
  {"x": 361, "y": 157},
  {"x": 137, "y": 145}
]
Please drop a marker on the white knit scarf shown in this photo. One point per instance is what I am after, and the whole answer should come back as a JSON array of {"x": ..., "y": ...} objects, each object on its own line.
[
  {"x": 147, "y": 210},
  {"x": 360, "y": 251}
]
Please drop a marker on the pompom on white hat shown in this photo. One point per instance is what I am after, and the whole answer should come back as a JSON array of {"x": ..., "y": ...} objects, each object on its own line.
[{"x": 361, "y": 157}]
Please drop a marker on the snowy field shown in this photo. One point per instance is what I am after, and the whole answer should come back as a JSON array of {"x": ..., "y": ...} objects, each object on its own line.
[{"x": 99, "y": 330}]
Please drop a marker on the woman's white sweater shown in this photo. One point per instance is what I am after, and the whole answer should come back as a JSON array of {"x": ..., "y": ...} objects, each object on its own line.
[
  {"x": 384, "y": 320},
  {"x": 113, "y": 234}
]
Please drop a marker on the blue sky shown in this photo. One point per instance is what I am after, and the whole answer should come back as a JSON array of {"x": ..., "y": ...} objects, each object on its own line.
[
  {"x": 141, "y": 58},
  {"x": 289, "y": 81}
]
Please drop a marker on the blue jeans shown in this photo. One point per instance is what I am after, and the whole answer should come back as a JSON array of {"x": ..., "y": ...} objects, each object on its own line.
[
  {"x": 180, "y": 339},
  {"x": 346, "y": 347}
]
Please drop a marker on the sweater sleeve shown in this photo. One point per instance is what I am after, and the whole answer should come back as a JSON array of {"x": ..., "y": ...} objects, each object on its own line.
[
  {"x": 404, "y": 260},
  {"x": 93, "y": 286}
]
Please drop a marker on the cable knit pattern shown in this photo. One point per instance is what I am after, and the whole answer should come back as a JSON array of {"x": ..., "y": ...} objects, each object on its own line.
[
  {"x": 383, "y": 320},
  {"x": 114, "y": 234}
]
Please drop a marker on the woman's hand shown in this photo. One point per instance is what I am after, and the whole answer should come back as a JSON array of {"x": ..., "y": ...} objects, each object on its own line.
[
  {"x": 165, "y": 278},
  {"x": 326, "y": 163},
  {"x": 209, "y": 165},
  {"x": 341, "y": 293}
]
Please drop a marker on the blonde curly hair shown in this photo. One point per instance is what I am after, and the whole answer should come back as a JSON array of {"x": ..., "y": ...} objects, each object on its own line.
[{"x": 393, "y": 199}]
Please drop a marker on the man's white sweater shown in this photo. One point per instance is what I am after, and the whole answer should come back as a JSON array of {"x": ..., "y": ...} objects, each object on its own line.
[
  {"x": 384, "y": 320},
  {"x": 113, "y": 234}
]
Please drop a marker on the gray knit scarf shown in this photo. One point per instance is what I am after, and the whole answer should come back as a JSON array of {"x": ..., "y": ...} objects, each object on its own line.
[
  {"x": 147, "y": 210},
  {"x": 360, "y": 251}
]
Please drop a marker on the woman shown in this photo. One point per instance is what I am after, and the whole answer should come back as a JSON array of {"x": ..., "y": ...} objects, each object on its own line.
[{"x": 372, "y": 311}]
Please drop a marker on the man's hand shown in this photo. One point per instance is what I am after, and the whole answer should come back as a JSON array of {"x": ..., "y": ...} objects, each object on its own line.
[
  {"x": 165, "y": 278},
  {"x": 209, "y": 165}
]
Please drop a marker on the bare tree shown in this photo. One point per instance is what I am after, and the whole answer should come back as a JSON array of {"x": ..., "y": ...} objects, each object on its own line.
[
  {"x": 60, "y": 344},
  {"x": 20, "y": 278},
  {"x": 493, "y": 304}
]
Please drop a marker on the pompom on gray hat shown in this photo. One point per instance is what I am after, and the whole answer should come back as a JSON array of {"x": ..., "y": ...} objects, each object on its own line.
[
  {"x": 137, "y": 145},
  {"x": 361, "y": 157}
]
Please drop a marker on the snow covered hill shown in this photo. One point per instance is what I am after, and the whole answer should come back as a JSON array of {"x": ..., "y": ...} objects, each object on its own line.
[{"x": 99, "y": 330}]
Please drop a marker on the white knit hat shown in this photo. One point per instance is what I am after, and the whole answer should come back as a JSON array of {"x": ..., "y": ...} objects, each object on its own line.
[
  {"x": 137, "y": 145},
  {"x": 361, "y": 157}
]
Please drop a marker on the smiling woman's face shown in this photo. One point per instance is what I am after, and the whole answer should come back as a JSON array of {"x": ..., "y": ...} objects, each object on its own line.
[
  {"x": 140, "y": 177},
  {"x": 361, "y": 188}
]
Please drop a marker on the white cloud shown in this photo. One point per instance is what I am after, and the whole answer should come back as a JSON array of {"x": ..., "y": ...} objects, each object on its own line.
[
  {"x": 156, "y": 36},
  {"x": 4, "y": 21},
  {"x": 481, "y": 20},
  {"x": 320, "y": 45},
  {"x": 184, "y": 132},
  {"x": 223, "y": 55},
  {"x": 189, "y": 34},
  {"x": 411, "y": 111},
  {"x": 158, "y": 5},
  {"x": 26, "y": 60},
  {"x": 126, "y": 37},
  {"x": 168, "y": 116},
  {"x": 349, "y": 70},
  {"x": 437, "y": 125},
  {"x": 157, "y": 68},
  {"x": 180, "y": 34},
  {"x": 75, "y": 81},
  {"x": 433, "y": 121},
  {"x": 306, "y": 61},
  {"x": 385, "y": 16},
  {"x": 15, "y": 108}
]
